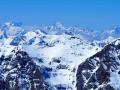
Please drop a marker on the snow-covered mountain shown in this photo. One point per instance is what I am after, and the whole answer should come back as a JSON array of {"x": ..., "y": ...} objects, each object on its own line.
[
  {"x": 19, "y": 72},
  {"x": 57, "y": 55},
  {"x": 102, "y": 70},
  {"x": 55, "y": 50},
  {"x": 12, "y": 29},
  {"x": 61, "y": 55}
]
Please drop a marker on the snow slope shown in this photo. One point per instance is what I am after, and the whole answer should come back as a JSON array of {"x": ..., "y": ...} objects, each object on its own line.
[{"x": 69, "y": 51}]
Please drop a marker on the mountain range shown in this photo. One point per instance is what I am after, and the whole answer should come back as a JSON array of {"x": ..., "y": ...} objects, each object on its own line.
[{"x": 57, "y": 57}]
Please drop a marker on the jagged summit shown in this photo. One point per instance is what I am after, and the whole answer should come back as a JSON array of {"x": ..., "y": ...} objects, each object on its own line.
[
  {"x": 59, "y": 25},
  {"x": 13, "y": 28},
  {"x": 10, "y": 29},
  {"x": 101, "y": 71}
]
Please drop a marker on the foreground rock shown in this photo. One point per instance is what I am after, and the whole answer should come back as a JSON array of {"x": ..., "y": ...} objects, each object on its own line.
[
  {"x": 19, "y": 72},
  {"x": 102, "y": 70}
]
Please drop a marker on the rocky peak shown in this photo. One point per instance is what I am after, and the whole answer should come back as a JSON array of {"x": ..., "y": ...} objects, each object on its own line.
[
  {"x": 98, "y": 72},
  {"x": 19, "y": 72},
  {"x": 10, "y": 29}
]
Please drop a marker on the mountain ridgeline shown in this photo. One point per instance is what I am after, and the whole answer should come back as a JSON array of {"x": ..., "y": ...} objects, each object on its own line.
[{"x": 102, "y": 70}]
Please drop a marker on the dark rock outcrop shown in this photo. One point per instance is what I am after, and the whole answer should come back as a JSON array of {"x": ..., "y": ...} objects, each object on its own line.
[
  {"x": 19, "y": 72},
  {"x": 100, "y": 71}
]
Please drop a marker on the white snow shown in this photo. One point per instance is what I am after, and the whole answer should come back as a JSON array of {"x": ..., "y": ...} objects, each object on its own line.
[
  {"x": 74, "y": 52},
  {"x": 115, "y": 80}
]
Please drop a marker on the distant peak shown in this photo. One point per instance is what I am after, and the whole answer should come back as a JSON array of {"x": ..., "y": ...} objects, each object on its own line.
[
  {"x": 18, "y": 24},
  {"x": 8, "y": 23},
  {"x": 59, "y": 24}
]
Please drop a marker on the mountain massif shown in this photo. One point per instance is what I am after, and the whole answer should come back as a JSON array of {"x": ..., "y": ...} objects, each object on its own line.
[{"x": 58, "y": 58}]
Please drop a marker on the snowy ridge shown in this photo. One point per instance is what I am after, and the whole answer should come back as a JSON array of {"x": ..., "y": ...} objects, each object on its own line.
[{"x": 62, "y": 56}]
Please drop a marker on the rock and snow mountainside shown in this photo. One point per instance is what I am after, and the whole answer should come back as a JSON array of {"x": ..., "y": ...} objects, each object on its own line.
[
  {"x": 59, "y": 57},
  {"x": 102, "y": 70},
  {"x": 19, "y": 72}
]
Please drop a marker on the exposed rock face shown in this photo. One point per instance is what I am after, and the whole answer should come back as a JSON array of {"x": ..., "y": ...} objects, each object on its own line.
[
  {"x": 102, "y": 70},
  {"x": 19, "y": 72}
]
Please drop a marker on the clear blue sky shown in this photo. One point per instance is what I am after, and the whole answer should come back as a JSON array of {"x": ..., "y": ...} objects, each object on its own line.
[{"x": 93, "y": 14}]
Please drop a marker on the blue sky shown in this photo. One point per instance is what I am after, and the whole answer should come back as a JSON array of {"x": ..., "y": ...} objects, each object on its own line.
[{"x": 93, "y": 14}]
